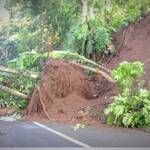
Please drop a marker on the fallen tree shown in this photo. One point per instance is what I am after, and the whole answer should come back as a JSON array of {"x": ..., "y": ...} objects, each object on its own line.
[
  {"x": 77, "y": 60},
  {"x": 8, "y": 90},
  {"x": 36, "y": 75},
  {"x": 31, "y": 74},
  {"x": 69, "y": 56},
  {"x": 98, "y": 71},
  {"x": 13, "y": 92}
]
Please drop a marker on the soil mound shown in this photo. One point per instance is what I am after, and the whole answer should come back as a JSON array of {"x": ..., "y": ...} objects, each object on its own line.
[
  {"x": 133, "y": 44},
  {"x": 62, "y": 92}
]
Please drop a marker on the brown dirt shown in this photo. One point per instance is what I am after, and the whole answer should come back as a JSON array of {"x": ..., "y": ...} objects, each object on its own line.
[
  {"x": 68, "y": 95},
  {"x": 65, "y": 93},
  {"x": 133, "y": 44},
  {"x": 6, "y": 111}
]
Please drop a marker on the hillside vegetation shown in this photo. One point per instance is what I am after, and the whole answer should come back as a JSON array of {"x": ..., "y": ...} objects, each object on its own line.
[{"x": 74, "y": 30}]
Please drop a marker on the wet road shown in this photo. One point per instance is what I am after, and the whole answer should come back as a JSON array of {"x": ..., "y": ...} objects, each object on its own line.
[{"x": 34, "y": 134}]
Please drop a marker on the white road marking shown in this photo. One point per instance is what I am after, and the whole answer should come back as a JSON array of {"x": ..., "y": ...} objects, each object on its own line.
[{"x": 61, "y": 135}]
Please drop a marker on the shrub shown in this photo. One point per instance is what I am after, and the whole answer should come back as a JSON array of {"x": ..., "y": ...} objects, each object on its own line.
[
  {"x": 130, "y": 108},
  {"x": 130, "y": 111},
  {"x": 127, "y": 74},
  {"x": 91, "y": 37}
]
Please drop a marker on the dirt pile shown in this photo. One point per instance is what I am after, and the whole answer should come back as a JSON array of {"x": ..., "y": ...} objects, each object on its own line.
[
  {"x": 6, "y": 111},
  {"x": 62, "y": 93},
  {"x": 133, "y": 44}
]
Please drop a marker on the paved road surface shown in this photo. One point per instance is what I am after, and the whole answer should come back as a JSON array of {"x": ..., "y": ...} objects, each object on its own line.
[{"x": 34, "y": 134}]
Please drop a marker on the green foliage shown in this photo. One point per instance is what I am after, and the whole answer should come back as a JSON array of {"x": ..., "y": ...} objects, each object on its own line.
[
  {"x": 132, "y": 107},
  {"x": 27, "y": 60},
  {"x": 23, "y": 36},
  {"x": 37, "y": 25},
  {"x": 94, "y": 35},
  {"x": 56, "y": 15},
  {"x": 40, "y": 25},
  {"x": 126, "y": 74},
  {"x": 7, "y": 100},
  {"x": 87, "y": 41},
  {"x": 47, "y": 24},
  {"x": 130, "y": 111},
  {"x": 8, "y": 43},
  {"x": 11, "y": 101},
  {"x": 31, "y": 61},
  {"x": 123, "y": 13},
  {"x": 102, "y": 39},
  {"x": 18, "y": 82},
  {"x": 69, "y": 56}
]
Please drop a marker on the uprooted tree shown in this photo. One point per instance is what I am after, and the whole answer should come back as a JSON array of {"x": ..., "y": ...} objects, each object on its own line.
[
  {"x": 58, "y": 79},
  {"x": 36, "y": 75}
]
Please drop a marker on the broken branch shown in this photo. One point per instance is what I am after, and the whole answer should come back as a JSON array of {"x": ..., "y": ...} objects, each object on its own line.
[
  {"x": 13, "y": 92},
  {"x": 105, "y": 75},
  {"x": 31, "y": 74}
]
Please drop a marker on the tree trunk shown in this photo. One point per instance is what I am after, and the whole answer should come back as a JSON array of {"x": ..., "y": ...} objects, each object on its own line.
[
  {"x": 13, "y": 92},
  {"x": 84, "y": 10},
  {"x": 105, "y": 75},
  {"x": 31, "y": 74},
  {"x": 87, "y": 11}
]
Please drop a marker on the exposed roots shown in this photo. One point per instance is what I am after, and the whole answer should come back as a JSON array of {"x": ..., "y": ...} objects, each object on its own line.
[{"x": 60, "y": 80}]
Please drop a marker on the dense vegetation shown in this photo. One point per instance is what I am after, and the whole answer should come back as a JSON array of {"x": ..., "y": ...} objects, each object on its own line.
[
  {"x": 132, "y": 107},
  {"x": 85, "y": 27}
]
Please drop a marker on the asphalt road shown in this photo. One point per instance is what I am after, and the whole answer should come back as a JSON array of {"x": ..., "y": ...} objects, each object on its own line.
[{"x": 34, "y": 134}]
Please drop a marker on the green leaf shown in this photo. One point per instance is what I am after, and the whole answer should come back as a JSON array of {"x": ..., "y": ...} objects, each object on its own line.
[
  {"x": 110, "y": 119},
  {"x": 127, "y": 119}
]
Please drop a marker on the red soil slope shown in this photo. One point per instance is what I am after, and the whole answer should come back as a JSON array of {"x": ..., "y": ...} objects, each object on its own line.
[
  {"x": 134, "y": 44},
  {"x": 63, "y": 93}
]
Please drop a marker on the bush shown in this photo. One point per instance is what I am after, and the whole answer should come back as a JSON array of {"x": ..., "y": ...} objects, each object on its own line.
[
  {"x": 130, "y": 111},
  {"x": 132, "y": 107},
  {"x": 89, "y": 41},
  {"x": 126, "y": 75}
]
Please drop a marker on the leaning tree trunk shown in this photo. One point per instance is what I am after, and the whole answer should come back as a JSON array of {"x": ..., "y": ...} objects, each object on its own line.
[
  {"x": 84, "y": 10},
  {"x": 87, "y": 11},
  {"x": 13, "y": 92},
  {"x": 30, "y": 74},
  {"x": 37, "y": 75}
]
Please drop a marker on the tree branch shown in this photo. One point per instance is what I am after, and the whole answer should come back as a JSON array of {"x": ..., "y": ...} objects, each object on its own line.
[
  {"x": 105, "y": 75},
  {"x": 13, "y": 92},
  {"x": 31, "y": 74}
]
